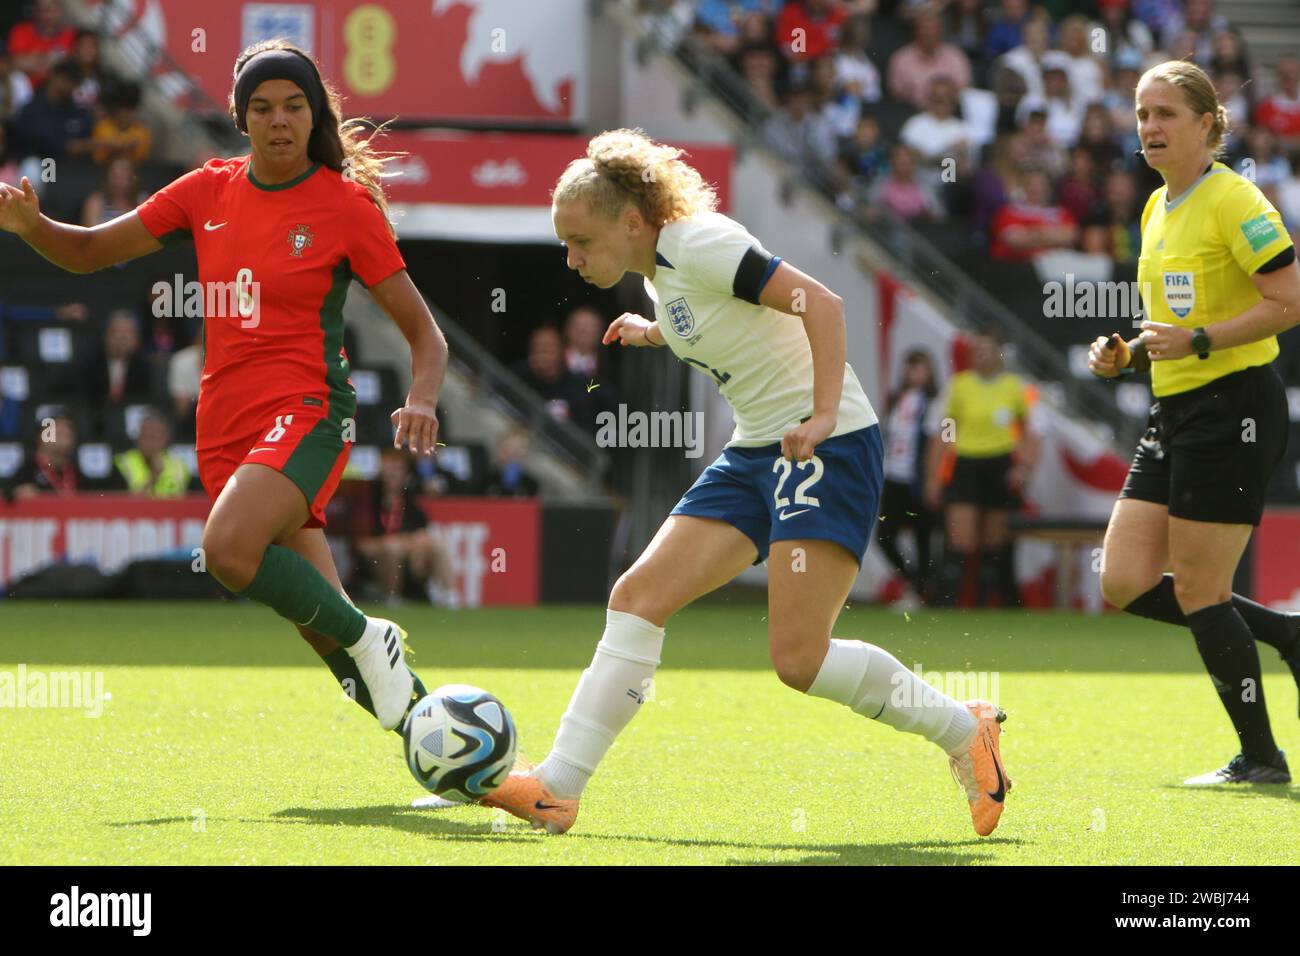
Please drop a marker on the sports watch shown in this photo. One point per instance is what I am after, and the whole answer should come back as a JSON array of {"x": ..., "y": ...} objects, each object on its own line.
[{"x": 1201, "y": 342}]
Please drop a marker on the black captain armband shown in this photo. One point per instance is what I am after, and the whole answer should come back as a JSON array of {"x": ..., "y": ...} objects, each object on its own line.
[
  {"x": 756, "y": 267},
  {"x": 1281, "y": 260}
]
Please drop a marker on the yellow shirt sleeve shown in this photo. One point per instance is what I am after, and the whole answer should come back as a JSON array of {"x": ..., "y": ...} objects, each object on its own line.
[{"x": 1250, "y": 226}]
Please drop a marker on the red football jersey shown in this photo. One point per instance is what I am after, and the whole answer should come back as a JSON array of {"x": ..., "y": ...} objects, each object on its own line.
[{"x": 291, "y": 249}]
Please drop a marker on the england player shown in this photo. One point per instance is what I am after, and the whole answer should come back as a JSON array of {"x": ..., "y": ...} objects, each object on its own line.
[
  {"x": 287, "y": 227},
  {"x": 798, "y": 484}
]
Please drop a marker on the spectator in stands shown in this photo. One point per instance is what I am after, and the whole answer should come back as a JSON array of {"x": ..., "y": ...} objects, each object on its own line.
[
  {"x": 810, "y": 29},
  {"x": 913, "y": 66},
  {"x": 964, "y": 26},
  {"x": 937, "y": 134},
  {"x": 52, "y": 126},
  {"x": 120, "y": 193},
  {"x": 720, "y": 21},
  {"x": 902, "y": 503},
  {"x": 1046, "y": 152},
  {"x": 997, "y": 181},
  {"x": 1263, "y": 164},
  {"x": 854, "y": 71},
  {"x": 1009, "y": 88},
  {"x": 803, "y": 135},
  {"x": 399, "y": 541},
  {"x": 39, "y": 43},
  {"x": 15, "y": 87},
  {"x": 1230, "y": 56},
  {"x": 837, "y": 107},
  {"x": 1063, "y": 106},
  {"x": 150, "y": 469},
  {"x": 121, "y": 132},
  {"x": 1199, "y": 19},
  {"x": 582, "y": 331},
  {"x": 1087, "y": 79},
  {"x": 1098, "y": 137},
  {"x": 51, "y": 466},
  {"x": 85, "y": 57},
  {"x": 565, "y": 394},
  {"x": 902, "y": 192},
  {"x": 1119, "y": 100},
  {"x": 863, "y": 154},
  {"x": 1034, "y": 224},
  {"x": 1003, "y": 33},
  {"x": 119, "y": 374},
  {"x": 1027, "y": 58},
  {"x": 1288, "y": 203},
  {"x": 760, "y": 66},
  {"x": 1122, "y": 208},
  {"x": 184, "y": 370},
  {"x": 1079, "y": 188},
  {"x": 1125, "y": 33},
  {"x": 1280, "y": 110},
  {"x": 509, "y": 477}
]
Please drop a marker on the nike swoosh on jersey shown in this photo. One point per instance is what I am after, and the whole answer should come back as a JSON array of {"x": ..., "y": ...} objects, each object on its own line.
[
  {"x": 211, "y": 228},
  {"x": 783, "y": 515},
  {"x": 256, "y": 450}
]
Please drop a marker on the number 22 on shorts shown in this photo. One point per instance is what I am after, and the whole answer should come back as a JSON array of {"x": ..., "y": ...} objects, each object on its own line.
[{"x": 801, "y": 497}]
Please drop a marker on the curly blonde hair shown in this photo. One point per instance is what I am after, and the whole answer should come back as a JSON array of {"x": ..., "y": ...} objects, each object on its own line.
[
  {"x": 1199, "y": 95},
  {"x": 625, "y": 166},
  {"x": 335, "y": 144}
]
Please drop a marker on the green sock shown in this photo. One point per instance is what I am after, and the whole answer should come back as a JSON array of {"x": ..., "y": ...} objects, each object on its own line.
[
  {"x": 288, "y": 584},
  {"x": 344, "y": 669}
]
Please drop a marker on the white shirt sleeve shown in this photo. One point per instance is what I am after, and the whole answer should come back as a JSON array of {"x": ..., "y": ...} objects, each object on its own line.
[{"x": 707, "y": 249}]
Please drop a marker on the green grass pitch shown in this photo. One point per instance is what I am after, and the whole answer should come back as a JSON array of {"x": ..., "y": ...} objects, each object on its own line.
[{"x": 225, "y": 741}]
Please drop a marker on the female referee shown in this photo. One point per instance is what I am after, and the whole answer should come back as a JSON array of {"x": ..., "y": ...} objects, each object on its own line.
[
  {"x": 798, "y": 484},
  {"x": 1219, "y": 281},
  {"x": 288, "y": 227}
]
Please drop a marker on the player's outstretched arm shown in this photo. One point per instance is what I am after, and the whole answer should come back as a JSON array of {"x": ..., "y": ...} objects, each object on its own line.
[
  {"x": 822, "y": 311},
  {"x": 70, "y": 247},
  {"x": 417, "y": 420}
]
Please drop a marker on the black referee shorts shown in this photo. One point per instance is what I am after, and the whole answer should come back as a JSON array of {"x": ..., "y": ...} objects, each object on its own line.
[
  {"x": 1208, "y": 453},
  {"x": 982, "y": 482}
]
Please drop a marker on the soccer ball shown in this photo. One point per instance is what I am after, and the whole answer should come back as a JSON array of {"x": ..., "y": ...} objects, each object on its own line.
[{"x": 460, "y": 742}]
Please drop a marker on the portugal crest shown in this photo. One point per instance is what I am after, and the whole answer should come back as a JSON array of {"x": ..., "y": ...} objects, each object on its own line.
[
  {"x": 679, "y": 314},
  {"x": 300, "y": 237}
]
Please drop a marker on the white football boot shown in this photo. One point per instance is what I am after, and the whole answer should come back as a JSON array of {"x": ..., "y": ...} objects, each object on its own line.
[{"x": 380, "y": 657}]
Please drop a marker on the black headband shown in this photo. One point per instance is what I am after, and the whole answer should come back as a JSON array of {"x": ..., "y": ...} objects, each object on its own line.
[{"x": 278, "y": 65}]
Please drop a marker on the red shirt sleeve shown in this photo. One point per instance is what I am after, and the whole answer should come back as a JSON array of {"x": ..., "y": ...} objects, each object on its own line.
[
  {"x": 170, "y": 213},
  {"x": 372, "y": 250}
]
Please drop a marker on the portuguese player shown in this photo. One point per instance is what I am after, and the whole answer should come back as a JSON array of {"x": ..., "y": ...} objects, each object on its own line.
[
  {"x": 1219, "y": 279},
  {"x": 287, "y": 228},
  {"x": 798, "y": 484}
]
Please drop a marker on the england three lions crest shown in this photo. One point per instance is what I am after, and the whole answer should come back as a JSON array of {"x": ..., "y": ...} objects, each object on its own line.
[
  {"x": 679, "y": 314},
  {"x": 300, "y": 237}
]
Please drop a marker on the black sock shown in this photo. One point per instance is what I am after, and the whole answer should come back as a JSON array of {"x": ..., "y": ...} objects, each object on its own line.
[
  {"x": 1006, "y": 565},
  {"x": 1274, "y": 628},
  {"x": 952, "y": 573},
  {"x": 1228, "y": 650},
  {"x": 986, "y": 579}
]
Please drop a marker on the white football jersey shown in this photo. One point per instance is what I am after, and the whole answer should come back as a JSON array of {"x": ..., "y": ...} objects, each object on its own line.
[{"x": 759, "y": 357}]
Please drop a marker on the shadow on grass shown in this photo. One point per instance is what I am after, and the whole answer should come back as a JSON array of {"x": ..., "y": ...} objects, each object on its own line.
[
  {"x": 1284, "y": 791},
  {"x": 446, "y": 826}
]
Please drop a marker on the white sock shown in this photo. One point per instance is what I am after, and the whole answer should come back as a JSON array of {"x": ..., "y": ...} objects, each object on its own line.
[
  {"x": 608, "y": 694},
  {"x": 874, "y": 683}
]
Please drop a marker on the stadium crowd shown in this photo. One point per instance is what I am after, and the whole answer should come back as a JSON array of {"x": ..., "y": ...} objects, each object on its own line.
[{"x": 1010, "y": 118}]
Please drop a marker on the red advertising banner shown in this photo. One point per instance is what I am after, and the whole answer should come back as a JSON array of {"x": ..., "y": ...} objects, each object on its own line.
[
  {"x": 487, "y": 169},
  {"x": 109, "y": 531},
  {"x": 495, "y": 546},
  {"x": 495, "y": 543},
  {"x": 1276, "y": 551},
  {"x": 467, "y": 61}
]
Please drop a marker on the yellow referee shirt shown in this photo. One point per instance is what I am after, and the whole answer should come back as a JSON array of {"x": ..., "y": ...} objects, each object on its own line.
[
  {"x": 1198, "y": 254},
  {"x": 985, "y": 413}
]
